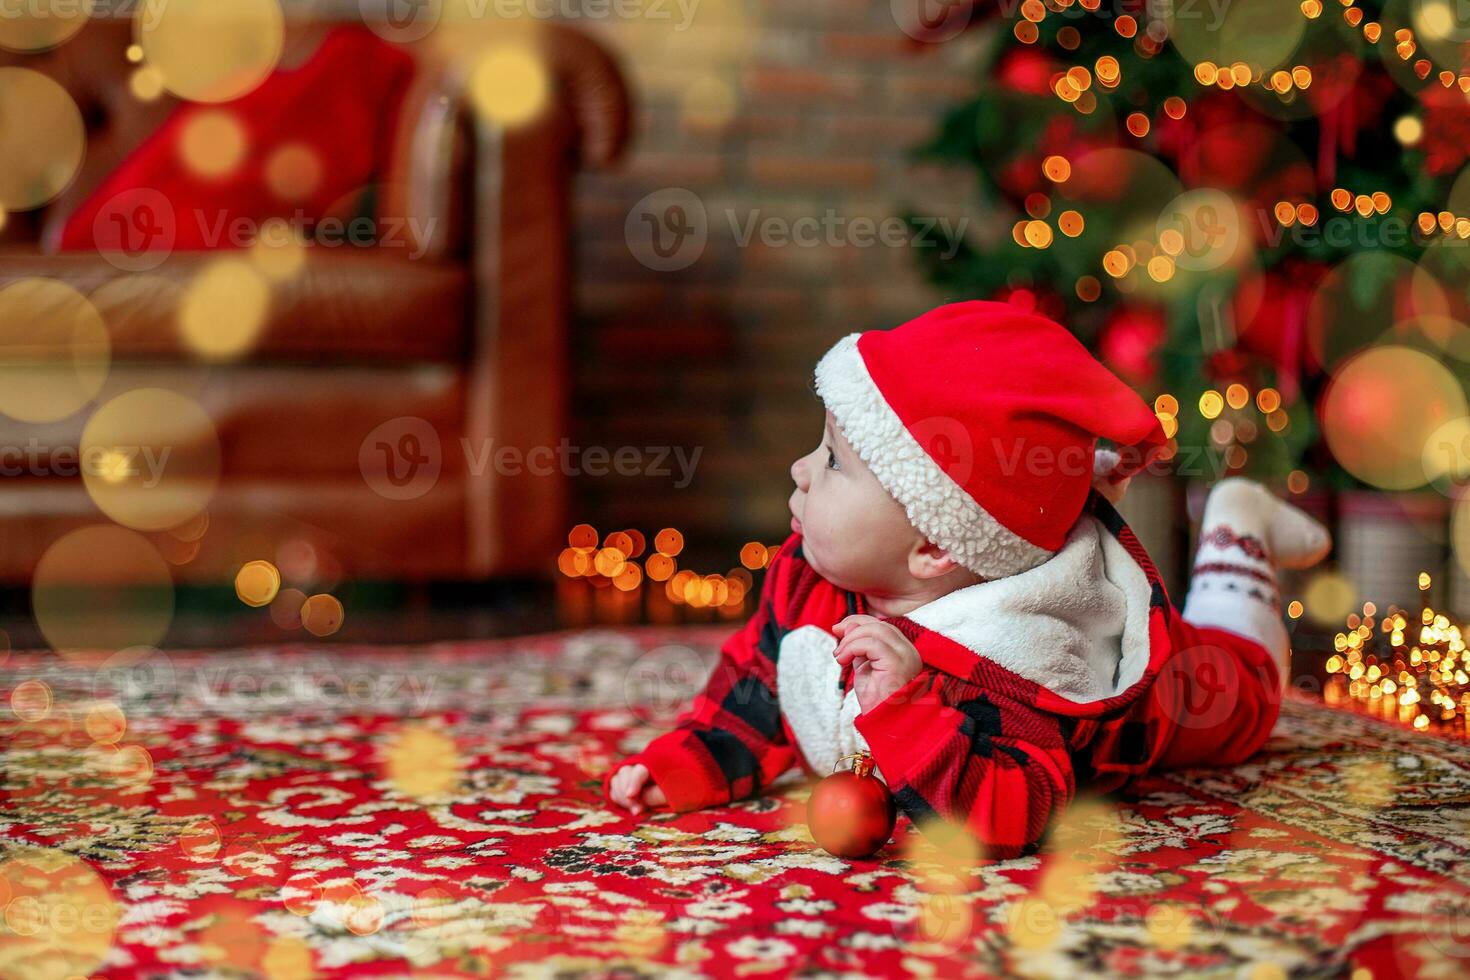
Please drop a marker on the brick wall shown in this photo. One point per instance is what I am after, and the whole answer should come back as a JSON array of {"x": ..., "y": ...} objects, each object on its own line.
[{"x": 767, "y": 111}]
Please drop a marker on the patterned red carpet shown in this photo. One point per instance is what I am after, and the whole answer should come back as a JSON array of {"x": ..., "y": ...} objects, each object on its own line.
[{"x": 297, "y": 813}]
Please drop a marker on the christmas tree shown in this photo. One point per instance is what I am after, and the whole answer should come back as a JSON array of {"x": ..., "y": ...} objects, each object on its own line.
[{"x": 1230, "y": 203}]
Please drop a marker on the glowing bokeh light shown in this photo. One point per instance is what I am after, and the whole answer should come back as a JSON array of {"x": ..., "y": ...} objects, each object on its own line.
[
  {"x": 420, "y": 762},
  {"x": 224, "y": 308},
  {"x": 213, "y": 143},
  {"x": 39, "y": 25},
  {"x": 257, "y": 583},
  {"x": 55, "y": 351},
  {"x": 322, "y": 614},
  {"x": 209, "y": 51},
  {"x": 151, "y": 459},
  {"x": 509, "y": 85},
  {"x": 42, "y": 139},
  {"x": 1329, "y": 597},
  {"x": 101, "y": 589},
  {"x": 1380, "y": 410},
  {"x": 60, "y": 918}
]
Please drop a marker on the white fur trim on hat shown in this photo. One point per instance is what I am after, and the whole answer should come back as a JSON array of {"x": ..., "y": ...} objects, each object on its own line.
[{"x": 937, "y": 506}]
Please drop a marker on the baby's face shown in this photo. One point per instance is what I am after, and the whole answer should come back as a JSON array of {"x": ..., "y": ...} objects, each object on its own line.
[{"x": 853, "y": 533}]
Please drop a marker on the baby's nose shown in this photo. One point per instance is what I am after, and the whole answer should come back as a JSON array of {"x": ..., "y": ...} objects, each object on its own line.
[{"x": 798, "y": 473}]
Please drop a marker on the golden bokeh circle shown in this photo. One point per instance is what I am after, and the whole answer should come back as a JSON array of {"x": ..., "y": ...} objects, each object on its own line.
[
  {"x": 1446, "y": 454},
  {"x": 293, "y": 172},
  {"x": 1442, "y": 29},
  {"x": 200, "y": 839},
  {"x": 709, "y": 103},
  {"x": 257, "y": 583},
  {"x": 301, "y": 896},
  {"x": 420, "y": 762},
  {"x": 669, "y": 542},
  {"x": 101, "y": 589},
  {"x": 1262, "y": 33},
  {"x": 30, "y": 701},
  {"x": 322, "y": 614},
  {"x": 287, "y": 958},
  {"x": 105, "y": 723},
  {"x": 146, "y": 84},
  {"x": 55, "y": 350},
  {"x": 213, "y": 143},
  {"x": 1382, "y": 407},
  {"x": 1460, "y": 532},
  {"x": 279, "y": 251},
  {"x": 42, "y": 139},
  {"x": 38, "y": 25},
  {"x": 150, "y": 459},
  {"x": 209, "y": 51},
  {"x": 1458, "y": 200},
  {"x": 509, "y": 84},
  {"x": 224, "y": 308},
  {"x": 1362, "y": 298},
  {"x": 61, "y": 916},
  {"x": 1202, "y": 229}
]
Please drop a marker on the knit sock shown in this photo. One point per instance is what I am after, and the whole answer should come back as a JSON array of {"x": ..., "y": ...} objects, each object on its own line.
[{"x": 1245, "y": 535}]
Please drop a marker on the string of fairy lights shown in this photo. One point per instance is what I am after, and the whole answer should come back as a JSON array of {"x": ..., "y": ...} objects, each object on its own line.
[
  {"x": 1403, "y": 667},
  {"x": 1236, "y": 418},
  {"x": 612, "y": 563},
  {"x": 1075, "y": 88}
]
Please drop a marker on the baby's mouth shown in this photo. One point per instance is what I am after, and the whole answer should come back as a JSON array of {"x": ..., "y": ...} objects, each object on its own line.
[{"x": 795, "y": 524}]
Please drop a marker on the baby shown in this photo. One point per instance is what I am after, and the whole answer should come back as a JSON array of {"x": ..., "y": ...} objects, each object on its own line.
[{"x": 960, "y": 599}]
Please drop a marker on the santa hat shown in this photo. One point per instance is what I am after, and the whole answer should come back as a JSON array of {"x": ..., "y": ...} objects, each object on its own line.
[{"x": 982, "y": 420}]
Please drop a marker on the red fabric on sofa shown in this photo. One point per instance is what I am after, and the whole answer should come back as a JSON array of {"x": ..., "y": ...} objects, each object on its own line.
[{"x": 339, "y": 106}]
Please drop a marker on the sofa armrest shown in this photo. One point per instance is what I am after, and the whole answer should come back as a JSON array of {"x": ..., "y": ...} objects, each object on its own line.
[{"x": 497, "y": 198}]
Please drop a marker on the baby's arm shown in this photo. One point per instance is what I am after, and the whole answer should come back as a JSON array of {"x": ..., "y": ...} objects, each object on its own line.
[
  {"x": 953, "y": 750},
  {"x": 729, "y": 744}
]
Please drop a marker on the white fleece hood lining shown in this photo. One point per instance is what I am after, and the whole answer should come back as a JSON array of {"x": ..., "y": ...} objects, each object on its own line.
[
  {"x": 937, "y": 506},
  {"x": 1078, "y": 624}
]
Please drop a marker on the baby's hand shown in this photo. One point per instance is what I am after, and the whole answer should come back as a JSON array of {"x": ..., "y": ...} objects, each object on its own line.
[
  {"x": 633, "y": 790},
  {"x": 883, "y": 658}
]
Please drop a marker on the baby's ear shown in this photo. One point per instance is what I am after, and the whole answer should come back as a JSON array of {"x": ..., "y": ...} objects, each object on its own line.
[
  {"x": 1104, "y": 461},
  {"x": 929, "y": 560}
]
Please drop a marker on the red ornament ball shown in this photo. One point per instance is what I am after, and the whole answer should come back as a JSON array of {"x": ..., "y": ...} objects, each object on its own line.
[{"x": 851, "y": 814}]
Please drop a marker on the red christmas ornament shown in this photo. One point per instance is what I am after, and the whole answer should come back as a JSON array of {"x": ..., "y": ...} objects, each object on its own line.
[{"x": 851, "y": 814}]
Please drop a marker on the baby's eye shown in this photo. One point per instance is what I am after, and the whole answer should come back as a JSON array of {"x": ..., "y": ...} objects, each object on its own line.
[{"x": 831, "y": 460}]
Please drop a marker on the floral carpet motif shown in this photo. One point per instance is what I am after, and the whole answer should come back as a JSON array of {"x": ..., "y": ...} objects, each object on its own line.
[{"x": 301, "y": 812}]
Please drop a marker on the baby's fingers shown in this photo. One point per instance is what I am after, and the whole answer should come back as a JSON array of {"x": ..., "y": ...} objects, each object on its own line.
[
  {"x": 625, "y": 786},
  {"x": 851, "y": 623},
  {"x": 865, "y": 640},
  {"x": 653, "y": 796}
]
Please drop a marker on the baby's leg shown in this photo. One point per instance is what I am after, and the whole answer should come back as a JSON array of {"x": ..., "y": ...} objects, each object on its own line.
[
  {"x": 1245, "y": 535},
  {"x": 1221, "y": 690}
]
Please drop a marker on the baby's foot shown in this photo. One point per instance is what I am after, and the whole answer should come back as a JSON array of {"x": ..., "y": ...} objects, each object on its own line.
[{"x": 1293, "y": 538}]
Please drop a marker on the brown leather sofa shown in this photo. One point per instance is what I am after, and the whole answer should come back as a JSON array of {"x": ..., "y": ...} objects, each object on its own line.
[{"x": 470, "y": 336}]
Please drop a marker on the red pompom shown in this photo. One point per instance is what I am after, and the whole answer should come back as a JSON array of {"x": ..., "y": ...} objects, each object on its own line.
[{"x": 851, "y": 814}]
